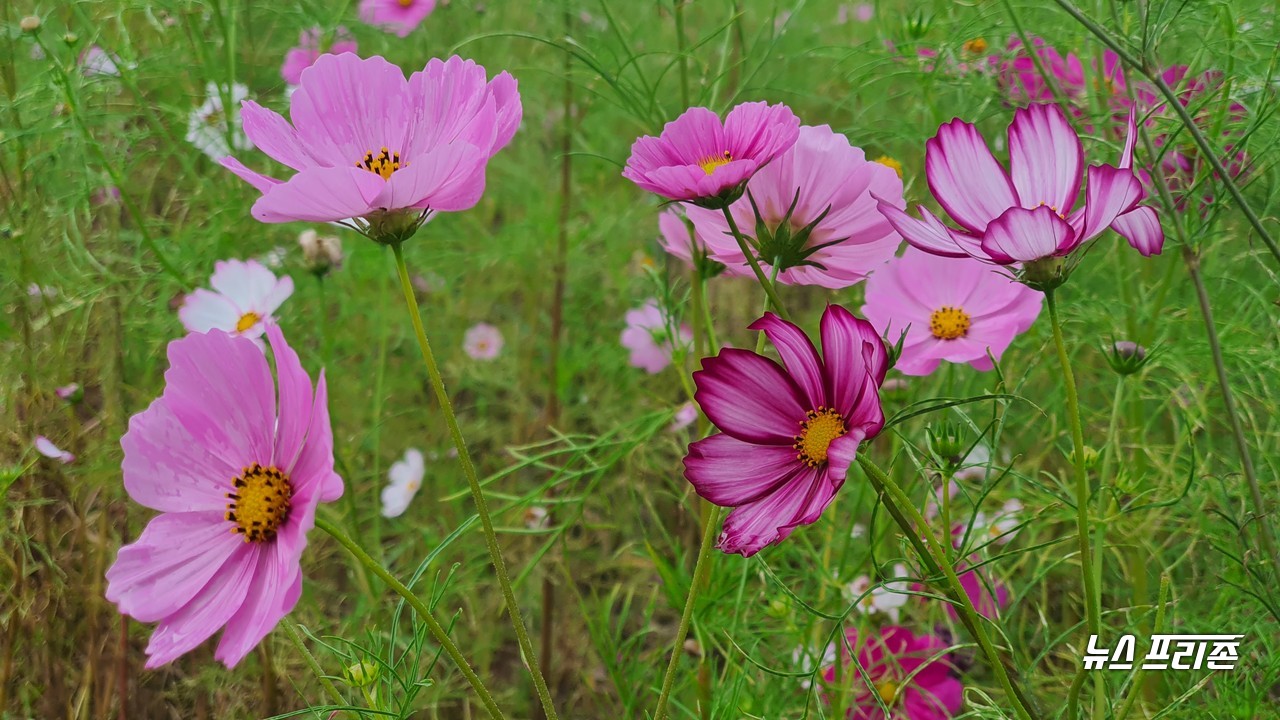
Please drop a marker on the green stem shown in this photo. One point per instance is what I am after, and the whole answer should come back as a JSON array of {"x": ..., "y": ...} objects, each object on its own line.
[
  {"x": 477, "y": 494},
  {"x": 1135, "y": 688},
  {"x": 1092, "y": 595},
  {"x": 914, "y": 527},
  {"x": 769, "y": 290},
  {"x": 291, "y": 629},
  {"x": 424, "y": 612},
  {"x": 700, "y": 568}
]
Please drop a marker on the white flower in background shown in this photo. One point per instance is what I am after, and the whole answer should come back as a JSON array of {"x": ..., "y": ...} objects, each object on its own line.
[
  {"x": 886, "y": 598},
  {"x": 45, "y": 447},
  {"x": 406, "y": 478},
  {"x": 207, "y": 127},
  {"x": 96, "y": 61},
  {"x": 684, "y": 417},
  {"x": 537, "y": 518},
  {"x": 999, "y": 527},
  {"x": 806, "y": 660},
  {"x": 858, "y": 530},
  {"x": 244, "y": 296},
  {"x": 45, "y": 292},
  {"x": 274, "y": 258},
  {"x": 976, "y": 465}
]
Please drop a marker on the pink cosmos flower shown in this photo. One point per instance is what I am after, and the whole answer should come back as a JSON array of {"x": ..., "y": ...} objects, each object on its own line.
[
  {"x": 953, "y": 309},
  {"x": 698, "y": 159},
  {"x": 45, "y": 447},
  {"x": 96, "y": 61},
  {"x": 396, "y": 16},
  {"x": 684, "y": 417},
  {"x": 482, "y": 342},
  {"x": 1016, "y": 72},
  {"x": 648, "y": 337},
  {"x": 70, "y": 392},
  {"x": 787, "y": 433},
  {"x": 243, "y": 301},
  {"x": 909, "y": 674},
  {"x": 236, "y": 469},
  {"x": 310, "y": 48},
  {"x": 987, "y": 594},
  {"x": 817, "y": 206},
  {"x": 1028, "y": 213},
  {"x": 677, "y": 237},
  {"x": 368, "y": 144}
]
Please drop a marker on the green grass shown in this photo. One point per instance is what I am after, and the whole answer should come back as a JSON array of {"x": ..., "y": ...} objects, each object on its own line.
[{"x": 618, "y": 556}]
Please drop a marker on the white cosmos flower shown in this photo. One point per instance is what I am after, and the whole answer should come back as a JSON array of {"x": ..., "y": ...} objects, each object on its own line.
[
  {"x": 207, "y": 126},
  {"x": 888, "y": 598},
  {"x": 1000, "y": 526},
  {"x": 806, "y": 659},
  {"x": 976, "y": 465},
  {"x": 244, "y": 296},
  {"x": 406, "y": 478}
]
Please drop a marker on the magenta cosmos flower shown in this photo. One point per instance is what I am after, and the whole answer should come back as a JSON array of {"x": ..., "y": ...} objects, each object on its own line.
[
  {"x": 697, "y": 159},
  {"x": 396, "y": 16},
  {"x": 819, "y": 215},
  {"x": 787, "y": 433},
  {"x": 236, "y": 469},
  {"x": 908, "y": 674},
  {"x": 366, "y": 143},
  {"x": 309, "y": 49},
  {"x": 1028, "y": 213},
  {"x": 648, "y": 337},
  {"x": 952, "y": 309},
  {"x": 243, "y": 301}
]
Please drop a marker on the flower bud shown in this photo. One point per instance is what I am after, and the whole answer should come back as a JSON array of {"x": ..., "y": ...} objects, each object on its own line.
[
  {"x": 947, "y": 443},
  {"x": 362, "y": 674},
  {"x": 1090, "y": 458},
  {"x": 1126, "y": 357},
  {"x": 70, "y": 39},
  {"x": 30, "y": 24},
  {"x": 321, "y": 253}
]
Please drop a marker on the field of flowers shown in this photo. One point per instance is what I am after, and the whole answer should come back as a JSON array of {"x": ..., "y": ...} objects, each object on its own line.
[{"x": 586, "y": 359}]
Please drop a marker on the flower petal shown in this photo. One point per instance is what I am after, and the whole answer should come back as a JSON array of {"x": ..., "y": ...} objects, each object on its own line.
[
  {"x": 729, "y": 472},
  {"x": 207, "y": 611},
  {"x": 314, "y": 468},
  {"x": 294, "y": 412},
  {"x": 204, "y": 310},
  {"x": 1111, "y": 192},
  {"x": 269, "y": 599},
  {"x": 1021, "y": 235},
  {"x": 273, "y": 135},
  {"x": 1141, "y": 227},
  {"x": 965, "y": 178},
  {"x": 753, "y": 526},
  {"x": 166, "y": 468},
  {"x": 446, "y": 178},
  {"x": 929, "y": 234},
  {"x": 347, "y": 106},
  {"x": 799, "y": 357},
  {"x": 1045, "y": 158},
  {"x": 852, "y": 351},
  {"x": 262, "y": 183},
  {"x": 749, "y": 397},
  {"x": 320, "y": 195}
]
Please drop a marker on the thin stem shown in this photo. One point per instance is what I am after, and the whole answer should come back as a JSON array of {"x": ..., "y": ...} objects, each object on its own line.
[
  {"x": 1135, "y": 688},
  {"x": 1206, "y": 150},
  {"x": 755, "y": 266},
  {"x": 700, "y": 568},
  {"x": 437, "y": 630},
  {"x": 291, "y": 629},
  {"x": 914, "y": 527},
  {"x": 477, "y": 494}
]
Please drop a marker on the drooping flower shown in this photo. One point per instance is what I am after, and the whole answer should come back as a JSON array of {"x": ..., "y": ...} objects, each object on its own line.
[
  {"x": 406, "y": 478},
  {"x": 700, "y": 160},
  {"x": 953, "y": 309},
  {"x": 648, "y": 336},
  {"x": 886, "y": 598},
  {"x": 210, "y": 126},
  {"x": 243, "y": 300},
  {"x": 909, "y": 674},
  {"x": 482, "y": 342},
  {"x": 396, "y": 16},
  {"x": 367, "y": 144},
  {"x": 1027, "y": 214},
  {"x": 45, "y": 447},
  {"x": 685, "y": 415},
  {"x": 678, "y": 237},
  {"x": 309, "y": 49},
  {"x": 236, "y": 464},
  {"x": 787, "y": 433},
  {"x": 812, "y": 212}
]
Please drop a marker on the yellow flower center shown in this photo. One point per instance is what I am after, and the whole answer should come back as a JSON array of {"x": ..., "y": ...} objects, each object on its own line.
[
  {"x": 384, "y": 163},
  {"x": 889, "y": 162},
  {"x": 949, "y": 323},
  {"x": 247, "y": 321},
  {"x": 817, "y": 432},
  {"x": 888, "y": 690},
  {"x": 260, "y": 502},
  {"x": 976, "y": 46},
  {"x": 710, "y": 164},
  {"x": 1054, "y": 208},
  {"x": 406, "y": 3}
]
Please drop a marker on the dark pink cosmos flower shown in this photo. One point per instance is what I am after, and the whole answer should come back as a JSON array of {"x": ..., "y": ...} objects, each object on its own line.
[
  {"x": 310, "y": 48},
  {"x": 787, "y": 433},
  {"x": 366, "y": 143},
  {"x": 1027, "y": 213},
  {"x": 698, "y": 159},
  {"x": 1016, "y": 72},
  {"x": 396, "y": 16},
  {"x": 908, "y": 674}
]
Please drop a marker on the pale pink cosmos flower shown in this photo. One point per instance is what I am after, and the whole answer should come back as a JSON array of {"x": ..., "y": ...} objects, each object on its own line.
[
  {"x": 698, "y": 159},
  {"x": 96, "y": 61},
  {"x": 483, "y": 342},
  {"x": 677, "y": 236},
  {"x": 684, "y": 417},
  {"x": 69, "y": 392},
  {"x": 823, "y": 184},
  {"x": 367, "y": 144},
  {"x": 45, "y": 447},
  {"x": 236, "y": 464},
  {"x": 405, "y": 478},
  {"x": 396, "y": 16},
  {"x": 243, "y": 300},
  {"x": 787, "y": 433},
  {"x": 1028, "y": 213},
  {"x": 952, "y": 309},
  {"x": 648, "y": 337},
  {"x": 309, "y": 49},
  {"x": 910, "y": 674}
]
